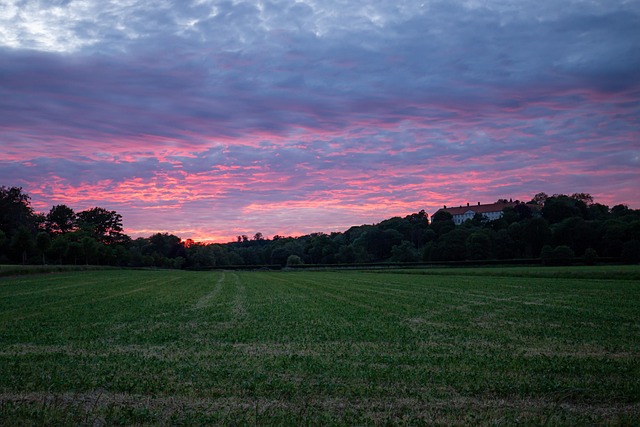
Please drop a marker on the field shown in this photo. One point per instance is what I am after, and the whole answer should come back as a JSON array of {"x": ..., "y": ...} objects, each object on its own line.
[{"x": 493, "y": 346}]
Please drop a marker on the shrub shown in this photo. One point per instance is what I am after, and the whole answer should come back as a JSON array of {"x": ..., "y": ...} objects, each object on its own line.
[
  {"x": 294, "y": 260},
  {"x": 590, "y": 256},
  {"x": 546, "y": 255},
  {"x": 561, "y": 255}
]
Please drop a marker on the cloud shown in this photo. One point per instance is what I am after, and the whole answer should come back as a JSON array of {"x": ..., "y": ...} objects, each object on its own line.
[{"x": 198, "y": 113}]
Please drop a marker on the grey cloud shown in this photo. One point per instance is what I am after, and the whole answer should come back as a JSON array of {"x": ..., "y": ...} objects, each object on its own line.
[
  {"x": 84, "y": 171},
  {"x": 371, "y": 88},
  {"x": 450, "y": 56}
]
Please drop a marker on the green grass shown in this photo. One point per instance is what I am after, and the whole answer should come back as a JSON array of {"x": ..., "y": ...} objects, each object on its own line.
[
  {"x": 20, "y": 270},
  {"x": 629, "y": 272},
  {"x": 123, "y": 347}
]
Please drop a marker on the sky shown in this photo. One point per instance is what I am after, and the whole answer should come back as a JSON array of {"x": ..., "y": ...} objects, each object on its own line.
[{"x": 210, "y": 119}]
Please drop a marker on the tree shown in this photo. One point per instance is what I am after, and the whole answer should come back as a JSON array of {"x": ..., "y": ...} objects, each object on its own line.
[
  {"x": 166, "y": 245},
  {"x": 320, "y": 249},
  {"x": 74, "y": 250},
  {"x": 15, "y": 211},
  {"x": 478, "y": 220},
  {"x": 442, "y": 222},
  {"x": 631, "y": 251},
  {"x": 509, "y": 216},
  {"x": 577, "y": 233},
  {"x": 346, "y": 254},
  {"x": 294, "y": 260},
  {"x": 280, "y": 254},
  {"x": 546, "y": 255},
  {"x": 405, "y": 252},
  {"x": 585, "y": 198},
  {"x": 421, "y": 217},
  {"x": 89, "y": 248},
  {"x": 523, "y": 211},
  {"x": 535, "y": 234},
  {"x": 61, "y": 219},
  {"x": 378, "y": 243},
  {"x": 478, "y": 246},
  {"x": 43, "y": 242},
  {"x": 441, "y": 216},
  {"x": 597, "y": 211},
  {"x": 620, "y": 210},
  {"x": 178, "y": 262},
  {"x": 504, "y": 247},
  {"x": 3, "y": 238},
  {"x": 103, "y": 225},
  {"x": 58, "y": 248},
  {"x": 561, "y": 255},
  {"x": 560, "y": 207},
  {"x": 451, "y": 246},
  {"x": 590, "y": 256},
  {"x": 246, "y": 256},
  {"x": 539, "y": 199},
  {"x": 38, "y": 222},
  {"x": 22, "y": 242},
  {"x": 220, "y": 254},
  {"x": 419, "y": 223},
  {"x": 121, "y": 256},
  {"x": 200, "y": 255},
  {"x": 564, "y": 254}
]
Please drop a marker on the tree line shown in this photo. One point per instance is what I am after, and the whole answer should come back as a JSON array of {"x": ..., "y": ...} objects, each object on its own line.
[{"x": 554, "y": 229}]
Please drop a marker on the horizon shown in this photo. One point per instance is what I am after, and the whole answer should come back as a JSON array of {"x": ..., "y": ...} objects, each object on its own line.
[
  {"x": 212, "y": 119},
  {"x": 250, "y": 234}
]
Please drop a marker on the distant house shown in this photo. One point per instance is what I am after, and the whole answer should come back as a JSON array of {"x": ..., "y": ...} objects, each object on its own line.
[{"x": 492, "y": 211}]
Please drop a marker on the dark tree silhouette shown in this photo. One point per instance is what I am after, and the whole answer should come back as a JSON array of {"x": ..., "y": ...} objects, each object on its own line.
[
  {"x": 43, "y": 242},
  {"x": 103, "y": 225},
  {"x": 15, "y": 211},
  {"x": 61, "y": 219}
]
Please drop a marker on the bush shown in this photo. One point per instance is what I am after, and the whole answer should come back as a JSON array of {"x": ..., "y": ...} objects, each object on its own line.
[
  {"x": 561, "y": 255},
  {"x": 590, "y": 256},
  {"x": 294, "y": 260},
  {"x": 404, "y": 252},
  {"x": 546, "y": 255}
]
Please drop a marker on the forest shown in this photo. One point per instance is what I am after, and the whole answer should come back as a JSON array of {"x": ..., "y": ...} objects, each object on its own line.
[{"x": 552, "y": 230}]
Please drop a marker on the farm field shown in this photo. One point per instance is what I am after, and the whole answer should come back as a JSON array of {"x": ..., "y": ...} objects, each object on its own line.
[{"x": 122, "y": 347}]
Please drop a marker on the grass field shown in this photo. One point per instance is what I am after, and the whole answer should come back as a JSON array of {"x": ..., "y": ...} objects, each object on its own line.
[
  {"x": 21, "y": 270},
  {"x": 122, "y": 347}
]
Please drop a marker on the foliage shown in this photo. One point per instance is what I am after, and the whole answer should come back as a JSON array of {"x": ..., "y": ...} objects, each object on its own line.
[
  {"x": 478, "y": 246},
  {"x": 590, "y": 256},
  {"x": 103, "y": 225},
  {"x": 43, "y": 242},
  {"x": 61, "y": 219},
  {"x": 15, "y": 211},
  {"x": 22, "y": 242},
  {"x": 560, "y": 255},
  {"x": 405, "y": 252},
  {"x": 95, "y": 236},
  {"x": 451, "y": 246},
  {"x": 3, "y": 238},
  {"x": 294, "y": 260},
  {"x": 559, "y": 207},
  {"x": 631, "y": 251}
]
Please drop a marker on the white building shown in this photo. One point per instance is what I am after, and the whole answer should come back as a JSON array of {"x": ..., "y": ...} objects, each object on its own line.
[{"x": 492, "y": 211}]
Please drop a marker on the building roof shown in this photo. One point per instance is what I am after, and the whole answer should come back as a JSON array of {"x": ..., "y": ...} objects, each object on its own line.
[{"x": 482, "y": 209}]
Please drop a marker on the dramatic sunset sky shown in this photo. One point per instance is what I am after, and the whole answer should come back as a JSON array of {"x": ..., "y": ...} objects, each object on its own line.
[{"x": 209, "y": 119}]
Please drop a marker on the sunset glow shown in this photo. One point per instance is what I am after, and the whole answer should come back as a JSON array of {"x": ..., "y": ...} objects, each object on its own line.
[{"x": 212, "y": 119}]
